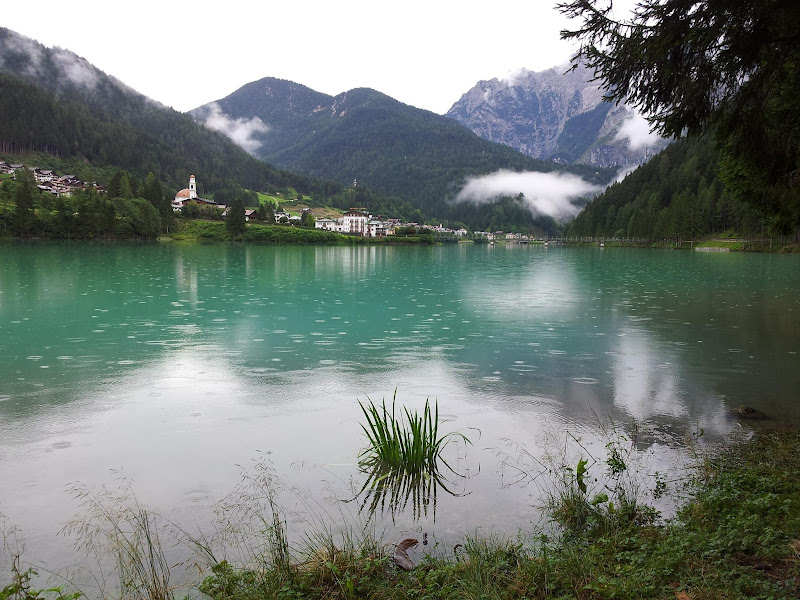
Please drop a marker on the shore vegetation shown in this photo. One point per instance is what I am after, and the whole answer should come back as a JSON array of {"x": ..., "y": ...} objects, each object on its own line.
[{"x": 737, "y": 536}]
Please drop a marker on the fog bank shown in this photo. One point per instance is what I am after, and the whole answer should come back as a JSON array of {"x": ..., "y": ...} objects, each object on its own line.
[{"x": 549, "y": 194}]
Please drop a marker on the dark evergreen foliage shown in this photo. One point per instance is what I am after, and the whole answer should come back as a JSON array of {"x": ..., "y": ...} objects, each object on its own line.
[
  {"x": 266, "y": 213},
  {"x": 85, "y": 215},
  {"x": 730, "y": 67},
  {"x": 153, "y": 192},
  {"x": 236, "y": 221},
  {"x": 677, "y": 194},
  {"x": 23, "y": 218}
]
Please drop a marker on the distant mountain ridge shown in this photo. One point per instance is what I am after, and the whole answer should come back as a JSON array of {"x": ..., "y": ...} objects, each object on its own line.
[
  {"x": 557, "y": 114},
  {"x": 367, "y": 136}
]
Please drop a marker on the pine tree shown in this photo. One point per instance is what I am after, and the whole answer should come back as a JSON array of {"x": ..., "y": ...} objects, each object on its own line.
[
  {"x": 153, "y": 192},
  {"x": 730, "y": 67},
  {"x": 236, "y": 220}
]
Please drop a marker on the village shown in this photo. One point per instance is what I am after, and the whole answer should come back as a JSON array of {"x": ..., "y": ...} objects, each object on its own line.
[
  {"x": 356, "y": 221},
  {"x": 48, "y": 181}
]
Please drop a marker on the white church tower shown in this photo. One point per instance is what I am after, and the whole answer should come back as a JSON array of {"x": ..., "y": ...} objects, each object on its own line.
[{"x": 192, "y": 188}]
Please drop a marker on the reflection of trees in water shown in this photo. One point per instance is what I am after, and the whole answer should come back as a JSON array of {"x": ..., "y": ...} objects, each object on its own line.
[{"x": 661, "y": 340}]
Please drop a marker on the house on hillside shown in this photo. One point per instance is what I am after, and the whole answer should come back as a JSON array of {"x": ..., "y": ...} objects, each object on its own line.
[{"x": 42, "y": 175}]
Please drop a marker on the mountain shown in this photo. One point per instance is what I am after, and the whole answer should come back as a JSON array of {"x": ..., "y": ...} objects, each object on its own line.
[
  {"x": 556, "y": 115},
  {"x": 52, "y": 100},
  {"x": 367, "y": 136}
]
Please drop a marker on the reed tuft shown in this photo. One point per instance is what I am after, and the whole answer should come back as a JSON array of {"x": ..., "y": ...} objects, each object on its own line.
[{"x": 408, "y": 442}]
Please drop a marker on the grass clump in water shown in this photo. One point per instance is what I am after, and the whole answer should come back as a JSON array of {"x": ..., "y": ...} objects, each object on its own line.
[{"x": 411, "y": 445}]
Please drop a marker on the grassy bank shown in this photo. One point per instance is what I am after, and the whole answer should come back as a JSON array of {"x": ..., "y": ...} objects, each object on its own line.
[
  {"x": 729, "y": 242},
  {"x": 766, "y": 245},
  {"x": 215, "y": 231},
  {"x": 739, "y": 537}
]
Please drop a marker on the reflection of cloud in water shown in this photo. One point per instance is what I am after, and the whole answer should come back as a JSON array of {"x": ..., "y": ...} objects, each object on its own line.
[
  {"x": 544, "y": 290},
  {"x": 645, "y": 384},
  {"x": 651, "y": 384}
]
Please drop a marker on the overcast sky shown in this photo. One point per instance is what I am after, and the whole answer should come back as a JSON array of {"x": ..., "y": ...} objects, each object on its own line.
[{"x": 184, "y": 54}]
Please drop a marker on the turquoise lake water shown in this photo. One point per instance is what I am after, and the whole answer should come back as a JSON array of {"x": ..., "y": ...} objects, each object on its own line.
[{"x": 180, "y": 367}]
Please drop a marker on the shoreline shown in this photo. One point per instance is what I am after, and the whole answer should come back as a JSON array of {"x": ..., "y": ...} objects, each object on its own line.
[
  {"x": 216, "y": 232},
  {"x": 738, "y": 535},
  {"x": 197, "y": 231}
]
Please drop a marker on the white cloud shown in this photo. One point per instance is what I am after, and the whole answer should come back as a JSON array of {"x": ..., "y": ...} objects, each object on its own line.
[
  {"x": 548, "y": 194},
  {"x": 624, "y": 172},
  {"x": 636, "y": 130},
  {"x": 23, "y": 45},
  {"x": 240, "y": 130},
  {"x": 511, "y": 78},
  {"x": 77, "y": 70}
]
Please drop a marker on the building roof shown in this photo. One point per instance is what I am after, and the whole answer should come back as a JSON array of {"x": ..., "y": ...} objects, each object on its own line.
[{"x": 184, "y": 193}]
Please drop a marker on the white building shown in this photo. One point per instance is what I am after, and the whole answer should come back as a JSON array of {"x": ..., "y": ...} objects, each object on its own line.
[
  {"x": 186, "y": 194},
  {"x": 189, "y": 194},
  {"x": 377, "y": 228},
  {"x": 326, "y": 224},
  {"x": 355, "y": 221}
]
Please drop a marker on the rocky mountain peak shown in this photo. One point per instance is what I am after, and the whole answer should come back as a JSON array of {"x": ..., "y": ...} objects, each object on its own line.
[{"x": 557, "y": 114}]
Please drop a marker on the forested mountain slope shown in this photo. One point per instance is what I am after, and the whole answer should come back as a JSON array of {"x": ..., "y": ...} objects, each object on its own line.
[
  {"x": 53, "y": 101},
  {"x": 678, "y": 193}
]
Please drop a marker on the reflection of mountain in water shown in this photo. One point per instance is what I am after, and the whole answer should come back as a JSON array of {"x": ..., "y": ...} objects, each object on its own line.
[
  {"x": 646, "y": 335},
  {"x": 635, "y": 335}
]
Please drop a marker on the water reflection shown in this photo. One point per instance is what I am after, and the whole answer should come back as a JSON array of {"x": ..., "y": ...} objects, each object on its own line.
[
  {"x": 390, "y": 491},
  {"x": 178, "y": 362}
]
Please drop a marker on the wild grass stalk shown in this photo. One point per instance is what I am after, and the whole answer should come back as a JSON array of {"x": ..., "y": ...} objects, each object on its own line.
[
  {"x": 22, "y": 586},
  {"x": 116, "y": 525},
  {"x": 253, "y": 525},
  {"x": 328, "y": 553}
]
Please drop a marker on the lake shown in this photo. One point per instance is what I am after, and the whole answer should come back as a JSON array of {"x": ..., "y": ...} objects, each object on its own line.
[{"x": 183, "y": 367}]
